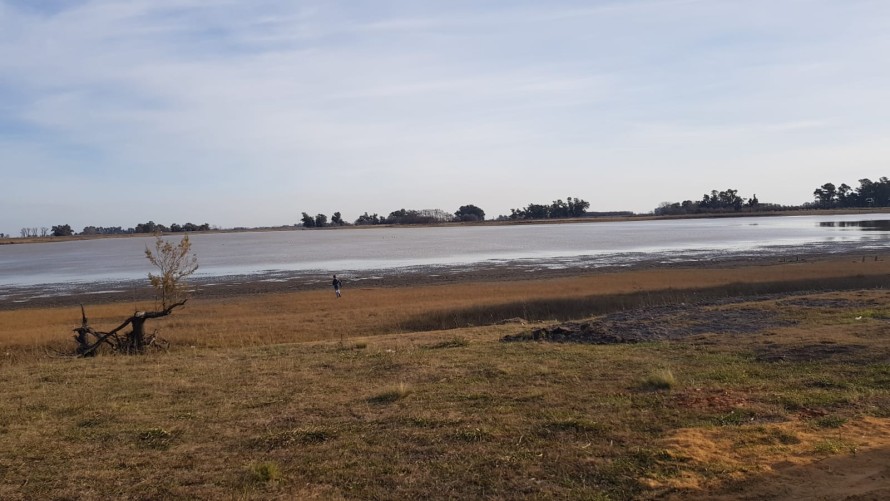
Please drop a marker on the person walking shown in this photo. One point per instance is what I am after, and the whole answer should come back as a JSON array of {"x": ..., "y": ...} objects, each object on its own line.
[{"x": 336, "y": 283}]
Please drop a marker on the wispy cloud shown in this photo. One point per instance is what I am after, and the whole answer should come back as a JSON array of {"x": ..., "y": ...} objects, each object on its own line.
[{"x": 274, "y": 103}]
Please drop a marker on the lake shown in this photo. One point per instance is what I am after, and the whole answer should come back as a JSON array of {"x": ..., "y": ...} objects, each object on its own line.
[{"x": 391, "y": 250}]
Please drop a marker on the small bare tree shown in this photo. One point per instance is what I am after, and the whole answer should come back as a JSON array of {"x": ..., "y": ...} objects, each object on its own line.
[{"x": 174, "y": 264}]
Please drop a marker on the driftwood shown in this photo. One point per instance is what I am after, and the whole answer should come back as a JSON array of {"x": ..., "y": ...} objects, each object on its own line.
[{"x": 135, "y": 341}]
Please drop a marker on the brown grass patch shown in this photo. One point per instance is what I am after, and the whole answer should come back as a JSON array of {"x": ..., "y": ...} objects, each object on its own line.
[
  {"x": 311, "y": 316},
  {"x": 259, "y": 400}
]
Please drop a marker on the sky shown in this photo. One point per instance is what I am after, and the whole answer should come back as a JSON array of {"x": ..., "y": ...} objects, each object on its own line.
[{"x": 248, "y": 113}]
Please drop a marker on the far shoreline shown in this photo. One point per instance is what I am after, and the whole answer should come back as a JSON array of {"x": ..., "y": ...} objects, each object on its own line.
[{"x": 492, "y": 222}]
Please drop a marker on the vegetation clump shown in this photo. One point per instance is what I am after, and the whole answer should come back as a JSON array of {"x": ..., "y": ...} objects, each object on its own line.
[
  {"x": 391, "y": 395},
  {"x": 174, "y": 264},
  {"x": 659, "y": 380}
]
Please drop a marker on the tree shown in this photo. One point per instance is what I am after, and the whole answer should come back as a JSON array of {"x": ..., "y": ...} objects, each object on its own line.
[
  {"x": 321, "y": 220},
  {"x": 308, "y": 221},
  {"x": 573, "y": 207},
  {"x": 537, "y": 211},
  {"x": 336, "y": 219},
  {"x": 753, "y": 201},
  {"x": 366, "y": 219},
  {"x": 151, "y": 227},
  {"x": 397, "y": 216},
  {"x": 868, "y": 194},
  {"x": 469, "y": 213},
  {"x": 577, "y": 207},
  {"x": 826, "y": 195},
  {"x": 845, "y": 197},
  {"x": 174, "y": 264},
  {"x": 63, "y": 230}
]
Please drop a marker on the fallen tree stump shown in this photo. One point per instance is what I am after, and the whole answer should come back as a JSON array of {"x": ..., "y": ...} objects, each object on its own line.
[{"x": 135, "y": 341}]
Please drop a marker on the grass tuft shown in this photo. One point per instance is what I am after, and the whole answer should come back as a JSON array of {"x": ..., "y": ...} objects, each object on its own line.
[
  {"x": 573, "y": 425},
  {"x": 832, "y": 446},
  {"x": 830, "y": 422},
  {"x": 391, "y": 395},
  {"x": 472, "y": 435},
  {"x": 264, "y": 472},
  {"x": 155, "y": 438},
  {"x": 659, "y": 380},
  {"x": 299, "y": 436}
]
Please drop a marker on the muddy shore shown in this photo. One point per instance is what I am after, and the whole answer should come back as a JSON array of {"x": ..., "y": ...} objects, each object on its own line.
[{"x": 57, "y": 295}]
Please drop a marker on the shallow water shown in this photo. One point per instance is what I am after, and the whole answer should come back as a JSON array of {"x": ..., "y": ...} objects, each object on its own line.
[{"x": 322, "y": 252}]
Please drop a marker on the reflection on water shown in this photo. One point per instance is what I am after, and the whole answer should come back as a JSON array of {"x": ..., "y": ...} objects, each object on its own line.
[{"x": 874, "y": 225}]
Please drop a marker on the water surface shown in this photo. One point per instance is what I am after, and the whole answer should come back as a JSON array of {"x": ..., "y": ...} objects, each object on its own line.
[{"x": 389, "y": 250}]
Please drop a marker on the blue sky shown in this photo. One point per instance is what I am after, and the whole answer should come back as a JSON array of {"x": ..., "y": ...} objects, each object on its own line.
[{"x": 241, "y": 113}]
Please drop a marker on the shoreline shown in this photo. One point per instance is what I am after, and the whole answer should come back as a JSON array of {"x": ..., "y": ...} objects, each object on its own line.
[
  {"x": 280, "y": 282},
  {"x": 492, "y": 222}
]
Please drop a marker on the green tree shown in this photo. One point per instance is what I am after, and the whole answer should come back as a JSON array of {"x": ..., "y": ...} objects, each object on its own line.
[
  {"x": 558, "y": 209},
  {"x": 845, "y": 195},
  {"x": 367, "y": 219},
  {"x": 826, "y": 195},
  {"x": 469, "y": 213},
  {"x": 577, "y": 207},
  {"x": 308, "y": 221},
  {"x": 753, "y": 202},
  {"x": 321, "y": 220},
  {"x": 62, "y": 230}
]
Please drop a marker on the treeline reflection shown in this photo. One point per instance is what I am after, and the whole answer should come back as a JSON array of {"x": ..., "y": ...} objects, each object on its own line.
[{"x": 878, "y": 225}]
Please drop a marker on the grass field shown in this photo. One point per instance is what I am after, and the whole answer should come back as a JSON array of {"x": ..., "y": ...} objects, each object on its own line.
[{"x": 410, "y": 393}]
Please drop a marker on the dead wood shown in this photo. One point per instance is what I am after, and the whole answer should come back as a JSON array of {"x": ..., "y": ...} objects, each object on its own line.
[{"x": 135, "y": 341}]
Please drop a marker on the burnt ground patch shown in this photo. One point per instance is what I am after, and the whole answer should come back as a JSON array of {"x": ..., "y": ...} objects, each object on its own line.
[
  {"x": 660, "y": 323},
  {"x": 820, "y": 353}
]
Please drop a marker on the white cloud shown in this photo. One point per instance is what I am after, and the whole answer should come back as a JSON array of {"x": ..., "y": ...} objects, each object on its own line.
[{"x": 265, "y": 107}]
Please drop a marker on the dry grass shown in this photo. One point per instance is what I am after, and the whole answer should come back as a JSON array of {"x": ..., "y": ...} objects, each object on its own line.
[
  {"x": 258, "y": 399},
  {"x": 316, "y": 315}
]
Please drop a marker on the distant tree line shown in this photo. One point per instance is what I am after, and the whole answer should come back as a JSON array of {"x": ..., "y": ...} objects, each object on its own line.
[
  {"x": 152, "y": 227},
  {"x": 868, "y": 194},
  {"x": 321, "y": 220},
  {"x": 572, "y": 207},
  {"x": 65, "y": 230},
  {"x": 401, "y": 216},
  {"x": 717, "y": 202},
  {"x": 828, "y": 196}
]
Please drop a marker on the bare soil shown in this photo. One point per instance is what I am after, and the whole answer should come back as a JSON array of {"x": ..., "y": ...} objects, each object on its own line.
[{"x": 660, "y": 324}]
